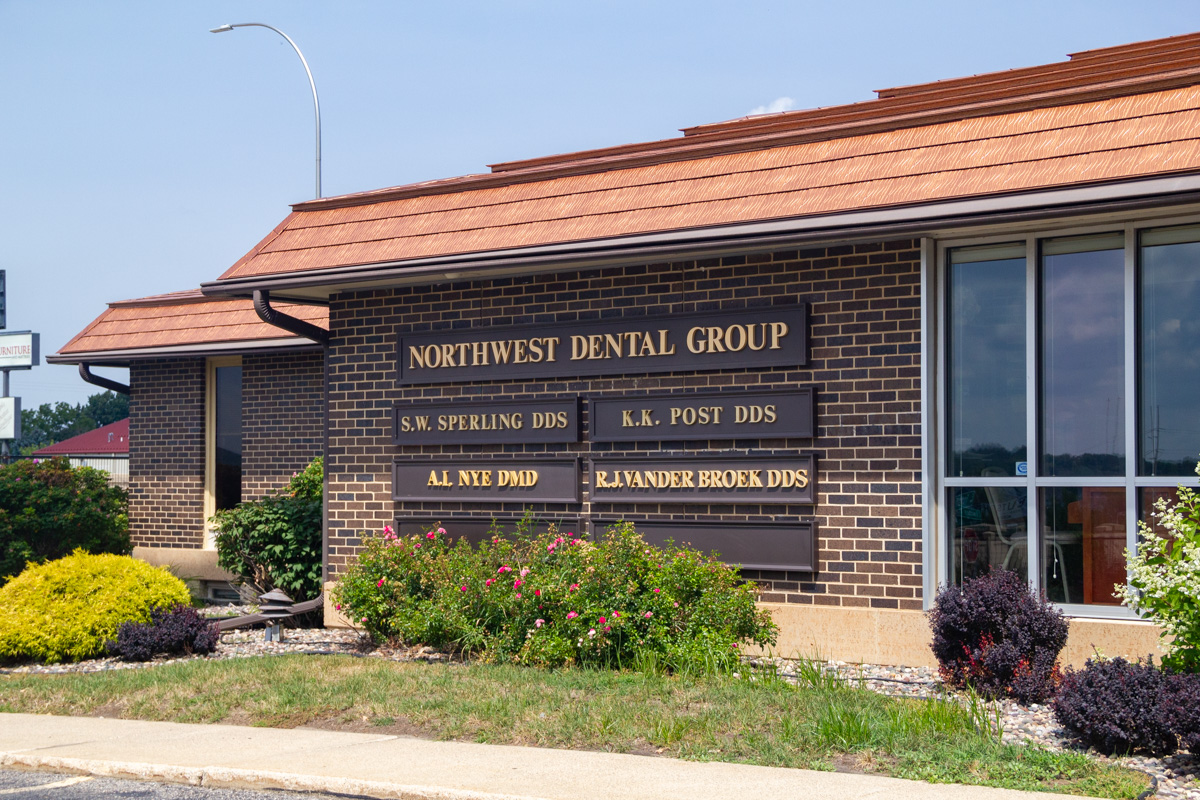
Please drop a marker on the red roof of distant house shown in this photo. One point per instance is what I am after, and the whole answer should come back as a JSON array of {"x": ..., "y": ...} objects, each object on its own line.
[{"x": 110, "y": 439}]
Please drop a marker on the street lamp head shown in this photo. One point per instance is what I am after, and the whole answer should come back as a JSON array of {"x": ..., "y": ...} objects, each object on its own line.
[{"x": 221, "y": 29}]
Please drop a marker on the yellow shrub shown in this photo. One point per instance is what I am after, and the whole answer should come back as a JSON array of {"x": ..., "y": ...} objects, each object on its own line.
[{"x": 65, "y": 610}]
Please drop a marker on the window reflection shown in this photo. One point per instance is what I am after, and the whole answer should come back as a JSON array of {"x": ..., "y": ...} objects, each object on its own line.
[
  {"x": 989, "y": 529},
  {"x": 1083, "y": 543},
  {"x": 1083, "y": 357},
  {"x": 986, "y": 366},
  {"x": 1169, "y": 326},
  {"x": 228, "y": 433}
]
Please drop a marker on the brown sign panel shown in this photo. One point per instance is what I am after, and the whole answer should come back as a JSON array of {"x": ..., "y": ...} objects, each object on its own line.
[
  {"x": 476, "y": 529},
  {"x": 470, "y": 422},
  {"x": 706, "y": 479},
  {"x": 774, "y": 337},
  {"x": 489, "y": 480},
  {"x": 717, "y": 415},
  {"x": 768, "y": 545}
]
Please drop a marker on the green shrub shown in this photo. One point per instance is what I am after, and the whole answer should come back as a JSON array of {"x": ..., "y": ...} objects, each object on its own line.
[
  {"x": 555, "y": 599},
  {"x": 1163, "y": 584},
  {"x": 65, "y": 610},
  {"x": 275, "y": 542},
  {"x": 49, "y": 508}
]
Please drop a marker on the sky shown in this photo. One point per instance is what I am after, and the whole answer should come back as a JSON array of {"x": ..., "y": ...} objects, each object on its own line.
[{"x": 141, "y": 154}]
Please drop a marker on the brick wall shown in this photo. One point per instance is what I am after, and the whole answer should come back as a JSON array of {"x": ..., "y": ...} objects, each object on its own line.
[
  {"x": 166, "y": 452},
  {"x": 865, "y": 317},
  {"x": 282, "y": 431},
  {"x": 282, "y": 418}
]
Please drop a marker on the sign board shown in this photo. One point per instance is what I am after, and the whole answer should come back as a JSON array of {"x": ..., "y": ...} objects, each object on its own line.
[
  {"x": 706, "y": 479},
  {"x": 466, "y": 421},
  {"x": 480, "y": 529},
  {"x": 775, "y": 337},
  {"x": 494, "y": 480},
  {"x": 19, "y": 350},
  {"x": 765, "y": 545},
  {"x": 718, "y": 415},
  {"x": 3, "y": 300},
  {"x": 10, "y": 418}
]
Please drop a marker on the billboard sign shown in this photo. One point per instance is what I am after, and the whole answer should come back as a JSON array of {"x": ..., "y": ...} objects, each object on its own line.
[
  {"x": 19, "y": 350},
  {"x": 10, "y": 418}
]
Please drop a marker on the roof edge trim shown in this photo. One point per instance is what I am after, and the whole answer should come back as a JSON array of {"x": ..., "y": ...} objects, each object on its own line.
[{"x": 215, "y": 348}]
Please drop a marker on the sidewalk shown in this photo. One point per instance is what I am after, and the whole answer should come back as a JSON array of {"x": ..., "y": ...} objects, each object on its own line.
[{"x": 304, "y": 759}]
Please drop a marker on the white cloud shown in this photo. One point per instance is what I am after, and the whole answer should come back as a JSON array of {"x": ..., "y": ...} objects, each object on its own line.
[{"x": 775, "y": 106}]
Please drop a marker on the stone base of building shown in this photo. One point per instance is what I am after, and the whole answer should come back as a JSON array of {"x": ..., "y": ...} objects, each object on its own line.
[
  {"x": 195, "y": 567},
  {"x": 902, "y": 638}
]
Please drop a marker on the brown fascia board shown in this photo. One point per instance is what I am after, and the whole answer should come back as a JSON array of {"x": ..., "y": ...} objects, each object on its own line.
[
  {"x": 763, "y": 236},
  {"x": 245, "y": 347},
  {"x": 706, "y": 145}
]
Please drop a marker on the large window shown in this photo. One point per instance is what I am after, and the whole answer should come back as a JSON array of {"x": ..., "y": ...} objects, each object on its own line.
[
  {"x": 223, "y": 480},
  {"x": 1071, "y": 401}
]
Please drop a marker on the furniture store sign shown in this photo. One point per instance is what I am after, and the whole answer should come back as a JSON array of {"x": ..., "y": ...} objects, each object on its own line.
[
  {"x": 19, "y": 350},
  {"x": 776, "y": 337}
]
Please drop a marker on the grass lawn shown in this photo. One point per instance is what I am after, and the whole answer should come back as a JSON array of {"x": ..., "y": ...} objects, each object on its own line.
[{"x": 821, "y": 725}]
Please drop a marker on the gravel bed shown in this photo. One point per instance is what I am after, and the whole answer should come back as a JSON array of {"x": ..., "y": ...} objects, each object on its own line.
[{"x": 1178, "y": 775}]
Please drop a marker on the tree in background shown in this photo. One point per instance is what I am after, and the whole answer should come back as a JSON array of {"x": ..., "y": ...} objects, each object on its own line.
[{"x": 49, "y": 424}]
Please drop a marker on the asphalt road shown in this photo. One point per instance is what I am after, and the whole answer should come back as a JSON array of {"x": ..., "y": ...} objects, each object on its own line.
[{"x": 20, "y": 785}]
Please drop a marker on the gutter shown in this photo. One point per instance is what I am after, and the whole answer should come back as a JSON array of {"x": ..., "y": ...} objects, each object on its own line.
[
  {"x": 85, "y": 372},
  {"x": 272, "y": 316}
]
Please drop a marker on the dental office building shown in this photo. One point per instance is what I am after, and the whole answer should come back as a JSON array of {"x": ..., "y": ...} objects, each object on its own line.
[{"x": 863, "y": 351}]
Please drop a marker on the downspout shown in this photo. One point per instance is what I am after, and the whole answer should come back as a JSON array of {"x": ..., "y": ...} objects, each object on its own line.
[
  {"x": 85, "y": 372},
  {"x": 271, "y": 316}
]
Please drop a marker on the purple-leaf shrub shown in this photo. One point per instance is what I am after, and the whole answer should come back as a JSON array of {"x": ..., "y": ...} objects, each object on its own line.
[
  {"x": 995, "y": 636},
  {"x": 177, "y": 631}
]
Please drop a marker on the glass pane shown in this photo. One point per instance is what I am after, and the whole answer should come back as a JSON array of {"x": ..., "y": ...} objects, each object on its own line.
[
  {"x": 1083, "y": 543},
  {"x": 228, "y": 488},
  {"x": 1169, "y": 322},
  {"x": 988, "y": 528},
  {"x": 1083, "y": 362},
  {"x": 1148, "y": 497},
  {"x": 986, "y": 361}
]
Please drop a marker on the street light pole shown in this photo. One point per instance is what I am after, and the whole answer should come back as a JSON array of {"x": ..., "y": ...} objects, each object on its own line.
[{"x": 311, "y": 82}]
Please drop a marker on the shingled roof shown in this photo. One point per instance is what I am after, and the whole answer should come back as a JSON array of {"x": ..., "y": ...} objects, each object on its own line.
[
  {"x": 1102, "y": 118},
  {"x": 182, "y": 322}
]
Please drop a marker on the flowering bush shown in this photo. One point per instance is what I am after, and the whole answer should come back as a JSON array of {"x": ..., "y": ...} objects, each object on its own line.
[
  {"x": 994, "y": 635},
  {"x": 1164, "y": 582},
  {"x": 554, "y": 599}
]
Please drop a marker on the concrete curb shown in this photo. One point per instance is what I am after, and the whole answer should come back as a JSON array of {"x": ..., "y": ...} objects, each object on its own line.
[{"x": 230, "y": 778}]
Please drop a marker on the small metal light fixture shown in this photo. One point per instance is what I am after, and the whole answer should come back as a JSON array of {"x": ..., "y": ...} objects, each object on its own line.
[{"x": 275, "y": 606}]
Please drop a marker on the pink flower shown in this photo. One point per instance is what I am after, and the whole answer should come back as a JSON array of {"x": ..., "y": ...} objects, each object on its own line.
[
  {"x": 416, "y": 547},
  {"x": 649, "y": 614},
  {"x": 462, "y": 588},
  {"x": 617, "y": 614},
  {"x": 524, "y": 572},
  {"x": 518, "y": 595},
  {"x": 735, "y": 645},
  {"x": 608, "y": 627},
  {"x": 537, "y": 592},
  {"x": 442, "y": 531},
  {"x": 488, "y": 582},
  {"x": 338, "y": 607},
  {"x": 656, "y": 591},
  {"x": 677, "y": 605},
  {"x": 602, "y": 620},
  {"x": 539, "y": 623},
  {"x": 380, "y": 583},
  {"x": 549, "y": 548},
  {"x": 431, "y": 535},
  {"x": 364, "y": 619},
  {"x": 517, "y": 583},
  {"x": 388, "y": 532},
  {"x": 571, "y": 615},
  {"x": 592, "y": 632},
  {"x": 574, "y": 586},
  {"x": 504, "y": 569},
  {"x": 577, "y": 541}
]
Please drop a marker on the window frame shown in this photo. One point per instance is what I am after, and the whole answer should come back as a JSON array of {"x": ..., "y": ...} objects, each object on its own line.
[
  {"x": 212, "y": 363},
  {"x": 936, "y": 256}
]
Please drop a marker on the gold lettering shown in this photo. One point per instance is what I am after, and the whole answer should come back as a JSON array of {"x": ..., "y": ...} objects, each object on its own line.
[
  {"x": 769, "y": 414},
  {"x": 695, "y": 343},
  {"x": 578, "y": 347},
  {"x": 519, "y": 356},
  {"x": 627, "y": 418},
  {"x": 750, "y": 329},
  {"x": 646, "y": 417},
  {"x": 422, "y": 423},
  {"x": 500, "y": 350},
  {"x": 778, "y": 331},
  {"x": 551, "y": 343},
  {"x": 478, "y": 354},
  {"x": 416, "y": 357},
  {"x": 447, "y": 355},
  {"x": 665, "y": 348}
]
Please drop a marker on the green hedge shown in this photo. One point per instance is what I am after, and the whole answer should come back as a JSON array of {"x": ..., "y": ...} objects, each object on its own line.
[{"x": 49, "y": 509}]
